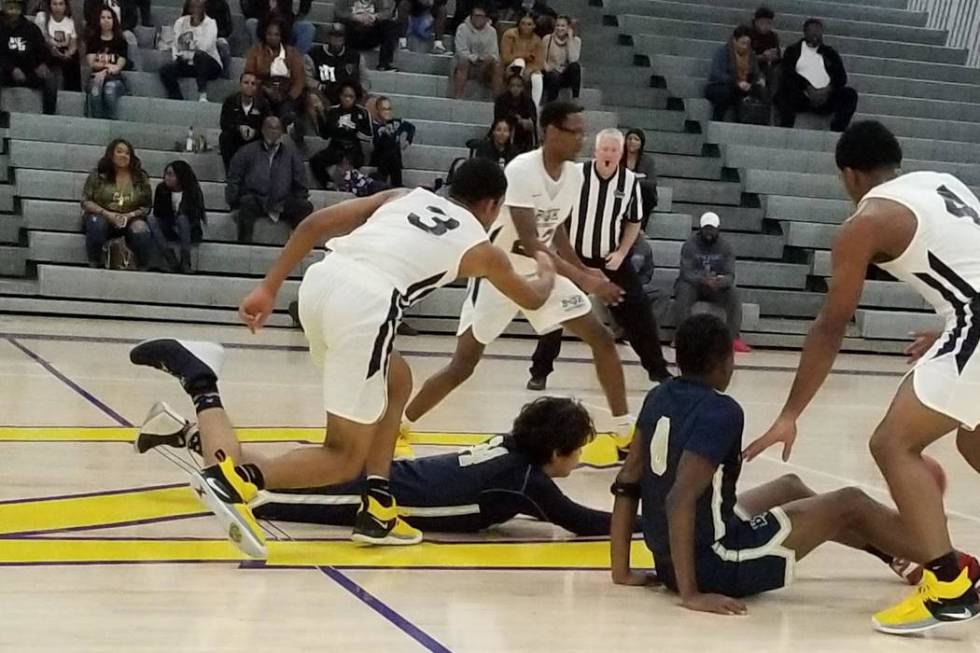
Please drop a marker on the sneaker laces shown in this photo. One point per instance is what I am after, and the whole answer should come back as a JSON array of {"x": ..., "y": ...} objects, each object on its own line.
[{"x": 927, "y": 593}]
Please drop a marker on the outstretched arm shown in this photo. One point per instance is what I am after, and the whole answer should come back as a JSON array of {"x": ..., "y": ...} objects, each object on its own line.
[
  {"x": 491, "y": 262},
  {"x": 855, "y": 247},
  {"x": 626, "y": 489},
  {"x": 321, "y": 226}
]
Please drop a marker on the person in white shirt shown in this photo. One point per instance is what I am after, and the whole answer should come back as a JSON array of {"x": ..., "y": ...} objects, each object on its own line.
[
  {"x": 58, "y": 26},
  {"x": 195, "y": 52},
  {"x": 814, "y": 80}
]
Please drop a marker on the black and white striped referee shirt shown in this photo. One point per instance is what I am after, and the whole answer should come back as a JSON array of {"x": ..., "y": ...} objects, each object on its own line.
[{"x": 596, "y": 226}]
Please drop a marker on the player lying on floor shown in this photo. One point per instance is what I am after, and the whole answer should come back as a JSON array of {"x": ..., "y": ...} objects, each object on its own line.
[
  {"x": 457, "y": 492},
  {"x": 711, "y": 545}
]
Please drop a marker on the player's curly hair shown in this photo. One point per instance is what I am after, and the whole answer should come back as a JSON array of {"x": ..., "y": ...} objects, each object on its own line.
[
  {"x": 552, "y": 425},
  {"x": 868, "y": 145},
  {"x": 703, "y": 342}
]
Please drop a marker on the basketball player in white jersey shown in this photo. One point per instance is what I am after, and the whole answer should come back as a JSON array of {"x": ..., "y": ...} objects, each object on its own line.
[
  {"x": 387, "y": 252},
  {"x": 924, "y": 229},
  {"x": 542, "y": 188}
]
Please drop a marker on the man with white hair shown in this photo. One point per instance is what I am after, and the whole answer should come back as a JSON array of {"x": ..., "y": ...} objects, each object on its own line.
[
  {"x": 708, "y": 275},
  {"x": 604, "y": 225}
]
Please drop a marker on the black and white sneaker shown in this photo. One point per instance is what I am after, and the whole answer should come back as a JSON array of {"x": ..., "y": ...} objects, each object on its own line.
[
  {"x": 190, "y": 362},
  {"x": 163, "y": 426}
]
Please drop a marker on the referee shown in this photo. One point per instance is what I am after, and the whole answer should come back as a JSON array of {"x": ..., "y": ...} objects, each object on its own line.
[{"x": 603, "y": 227}]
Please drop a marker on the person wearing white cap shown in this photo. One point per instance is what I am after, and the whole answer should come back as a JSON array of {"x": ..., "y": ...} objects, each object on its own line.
[{"x": 708, "y": 275}]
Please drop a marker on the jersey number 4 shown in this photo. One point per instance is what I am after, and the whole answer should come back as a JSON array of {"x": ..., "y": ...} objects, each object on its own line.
[
  {"x": 436, "y": 223},
  {"x": 957, "y": 207}
]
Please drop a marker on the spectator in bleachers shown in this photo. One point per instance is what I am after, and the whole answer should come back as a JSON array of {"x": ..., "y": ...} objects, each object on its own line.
[
  {"x": 734, "y": 74},
  {"x": 814, "y": 80},
  {"x": 296, "y": 29},
  {"x": 115, "y": 202},
  {"x": 267, "y": 178},
  {"x": 61, "y": 34},
  {"x": 241, "y": 118},
  {"x": 477, "y": 53},
  {"x": 707, "y": 274},
  {"x": 422, "y": 16},
  {"x": 194, "y": 52},
  {"x": 178, "y": 214},
  {"x": 522, "y": 53},
  {"x": 562, "y": 49},
  {"x": 347, "y": 125},
  {"x": 221, "y": 13},
  {"x": 279, "y": 69},
  {"x": 127, "y": 16},
  {"x": 106, "y": 53},
  {"x": 370, "y": 23},
  {"x": 391, "y": 136},
  {"x": 636, "y": 159},
  {"x": 765, "y": 42},
  {"x": 23, "y": 56},
  {"x": 330, "y": 65},
  {"x": 498, "y": 145},
  {"x": 515, "y": 106}
]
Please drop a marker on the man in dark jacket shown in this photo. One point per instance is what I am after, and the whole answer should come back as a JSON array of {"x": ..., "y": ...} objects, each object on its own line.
[
  {"x": 765, "y": 42},
  {"x": 708, "y": 275},
  {"x": 267, "y": 179},
  {"x": 332, "y": 64},
  {"x": 734, "y": 74},
  {"x": 22, "y": 56},
  {"x": 241, "y": 118},
  {"x": 814, "y": 79}
]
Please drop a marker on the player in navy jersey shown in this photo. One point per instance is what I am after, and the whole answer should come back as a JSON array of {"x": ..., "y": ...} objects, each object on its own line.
[
  {"x": 463, "y": 491},
  {"x": 710, "y": 544}
]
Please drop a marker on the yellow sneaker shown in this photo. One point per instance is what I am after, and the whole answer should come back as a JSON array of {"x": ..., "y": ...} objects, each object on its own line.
[
  {"x": 601, "y": 452},
  {"x": 932, "y": 605},
  {"x": 226, "y": 494},
  {"x": 403, "y": 445},
  {"x": 376, "y": 524}
]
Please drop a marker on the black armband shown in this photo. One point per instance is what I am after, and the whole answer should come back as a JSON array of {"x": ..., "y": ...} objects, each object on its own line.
[{"x": 621, "y": 489}]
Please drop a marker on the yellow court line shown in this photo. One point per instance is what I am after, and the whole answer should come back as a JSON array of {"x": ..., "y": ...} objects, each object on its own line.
[
  {"x": 103, "y": 510},
  {"x": 265, "y": 434},
  {"x": 535, "y": 555}
]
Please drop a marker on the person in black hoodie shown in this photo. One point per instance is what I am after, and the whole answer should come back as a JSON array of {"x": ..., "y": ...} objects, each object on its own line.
[
  {"x": 497, "y": 146},
  {"x": 391, "y": 136},
  {"x": 348, "y": 126},
  {"x": 221, "y": 13},
  {"x": 178, "y": 214},
  {"x": 23, "y": 52},
  {"x": 241, "y": 118},
  {"x": 332, "y": 64},
  {"x": 814, "y": 79},
  {"x": 517, "y": 107}
]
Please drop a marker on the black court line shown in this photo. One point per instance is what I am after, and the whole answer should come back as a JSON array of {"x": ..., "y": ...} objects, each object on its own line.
[{"x": 432, "y": 354}]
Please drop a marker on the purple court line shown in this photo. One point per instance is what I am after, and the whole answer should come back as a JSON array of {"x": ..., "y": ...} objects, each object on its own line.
[
  {"x": 429, "y": 354},
  {"x": 384, "y": 610},
  {"x": 102, "y": 493},
  {"x": 99, "y": 527},
  {"x": 119, "y": 419}
]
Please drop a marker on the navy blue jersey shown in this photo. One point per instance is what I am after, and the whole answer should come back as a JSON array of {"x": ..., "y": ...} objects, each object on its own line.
[
  {"x": 678, "y": 416},
  {"x": 463, "y": 491}
]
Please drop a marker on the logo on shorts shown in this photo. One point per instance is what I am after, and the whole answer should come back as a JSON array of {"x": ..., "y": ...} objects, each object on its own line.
[
  {"x": 571, "y": 303},
  {"x": 759, "y": 521}
]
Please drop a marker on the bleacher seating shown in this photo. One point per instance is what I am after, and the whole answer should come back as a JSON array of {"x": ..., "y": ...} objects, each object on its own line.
[{"x": 645, "y": 63}]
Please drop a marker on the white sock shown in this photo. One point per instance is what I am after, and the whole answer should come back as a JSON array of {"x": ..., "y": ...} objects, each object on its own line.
[{"x": 622, "y": 425}]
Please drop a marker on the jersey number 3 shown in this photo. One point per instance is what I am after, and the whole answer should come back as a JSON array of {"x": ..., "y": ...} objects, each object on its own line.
[
  {"x": 436, "y": 223},
  {"x": 957, "y": 207}
]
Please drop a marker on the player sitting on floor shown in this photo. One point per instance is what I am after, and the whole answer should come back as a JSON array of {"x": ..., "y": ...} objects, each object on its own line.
[
  {"x": 456, "y": 492},
  {"x": 684, "y": 465}
]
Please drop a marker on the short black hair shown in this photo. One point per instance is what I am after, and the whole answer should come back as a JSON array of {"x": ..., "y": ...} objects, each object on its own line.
[
  {"x": 476, "y": 180},
  {"x": 552, "y": 425},
  {"x": 812, "y": 21},
  {"x": 703, "y": 342},
  {"x": 555, "y": 113},
  {"x": 481, "y": 6},
  {"x": 868, "y": 145},
  {"x": 742, "y": 30},
  {"x": 764, "y": 12}
]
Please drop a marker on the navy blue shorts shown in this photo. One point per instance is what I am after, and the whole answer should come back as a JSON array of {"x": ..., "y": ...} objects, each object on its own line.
[{"x": 749, "y": 559}]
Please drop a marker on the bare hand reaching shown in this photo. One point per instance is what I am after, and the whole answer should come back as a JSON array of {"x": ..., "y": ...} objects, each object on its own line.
[
  {"x": 924, "y": 340},
  {"x": 256, "y": 308},
  {"x": 783, "y": 430}
]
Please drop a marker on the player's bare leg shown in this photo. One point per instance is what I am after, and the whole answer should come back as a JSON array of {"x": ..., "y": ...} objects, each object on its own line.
[
  {"x": 437, "y": 387},
  {"x": 968, "y": 444},
  {"x": 605, "y": 357}
]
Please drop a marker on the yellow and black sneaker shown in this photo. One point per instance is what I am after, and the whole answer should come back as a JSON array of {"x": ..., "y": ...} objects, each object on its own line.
[
  {"x": 933, "y": 604},
  {"x": 403, "y": 445},
  {"x": 225, "y": 493},
  {"x": 377, "y": 524}
]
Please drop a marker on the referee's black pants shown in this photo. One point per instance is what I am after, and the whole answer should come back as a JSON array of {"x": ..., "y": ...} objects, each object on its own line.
[{"x": 634, "y": 314}]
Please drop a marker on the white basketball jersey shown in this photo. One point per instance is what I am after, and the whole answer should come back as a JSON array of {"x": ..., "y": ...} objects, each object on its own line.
[
  {"x": 530, "y": 186},
  {"x": 416, "y": 242},
  {"x": 943, "y": 260}
]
